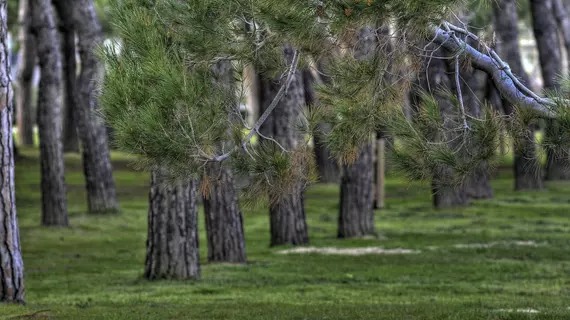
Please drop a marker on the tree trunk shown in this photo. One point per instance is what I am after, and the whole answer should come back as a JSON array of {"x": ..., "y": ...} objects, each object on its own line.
[
  {"x": 287, "y": 215},
  {"x": 172, "y": 243},
  {"x": 550, "y": 56},
  {"x": 69, "y": 68},
  {"x": 356, "y": 217},
  {"x": 11, "y": 264},
  {"x": 327, "y": 168},
  {"x": 24, "y": 94},
  {"x": 478, "y": 183},
  {"x": 100, "y": 184},
  {"x": 224, "y": 221},
  {"x": 527, "y": 169},
  {"x": 380, "y": 182},
  {"x": 54, "y": 203},
  {"x": 356, "y": 214}
]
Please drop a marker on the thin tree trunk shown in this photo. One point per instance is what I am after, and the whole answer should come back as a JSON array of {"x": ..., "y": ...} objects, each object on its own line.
[
  {"x": 69, "y": 67},
  {"x": 100, "y": 184},
  {"x": 527, "y": 169},
  {"x": 11, "y": 264},
  {"x": 356, "y": 214},
  {"x": 328, "y": 169},
  {"x": 54, "y": 203},
  {"x": 24, "y": 94},
  {"x": 287, "y": 215},
  {"x": 380, "y": 185},
  {"x": 172, "y": 243},
  {"x": 356, "y": 217},
  {"x": 550, "y": 56},
  {"x": 224, "y": 221}
]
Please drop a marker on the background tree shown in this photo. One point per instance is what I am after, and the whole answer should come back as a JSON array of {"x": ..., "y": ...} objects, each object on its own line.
[
  {"x": 526, "y": 167},
  {"x": 11, "y": 264},
  {"x": 69, "y": 71},
  {"x": 100, "y": 184},
  {"x": 24, "y": 97},
  {"x": 54, "y": 203}
]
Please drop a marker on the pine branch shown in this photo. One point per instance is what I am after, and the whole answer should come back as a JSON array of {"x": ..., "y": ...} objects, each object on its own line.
[
  {"x": 506, "y": 82},
  {"x": 282, "y": 92}
]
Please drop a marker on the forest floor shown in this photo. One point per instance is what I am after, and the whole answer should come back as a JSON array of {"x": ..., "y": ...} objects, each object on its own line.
[{"x": 505, "y": 258}]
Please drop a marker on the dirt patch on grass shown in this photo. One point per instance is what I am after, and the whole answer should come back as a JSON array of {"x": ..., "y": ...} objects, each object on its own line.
[
  {"x": 348, "y": 251},
  {"x": 518, "y": 243}
]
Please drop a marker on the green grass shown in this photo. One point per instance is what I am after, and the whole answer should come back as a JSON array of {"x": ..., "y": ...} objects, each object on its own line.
[{"x": 93, "y": 269}]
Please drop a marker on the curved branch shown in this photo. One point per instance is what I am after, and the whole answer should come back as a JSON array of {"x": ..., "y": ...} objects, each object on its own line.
[{"x": 507, "y": 84}]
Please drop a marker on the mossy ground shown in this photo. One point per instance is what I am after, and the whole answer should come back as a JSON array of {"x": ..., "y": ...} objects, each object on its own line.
[{"x": 93, "y": 269}]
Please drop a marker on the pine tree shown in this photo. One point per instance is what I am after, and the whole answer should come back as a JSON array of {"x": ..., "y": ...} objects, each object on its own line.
[
  {"x": 25, "y": 111},
  {"x": 11, "y": 263}
]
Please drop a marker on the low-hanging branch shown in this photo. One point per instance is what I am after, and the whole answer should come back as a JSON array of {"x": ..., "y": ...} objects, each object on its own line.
[{"x": 506, "y": 82}]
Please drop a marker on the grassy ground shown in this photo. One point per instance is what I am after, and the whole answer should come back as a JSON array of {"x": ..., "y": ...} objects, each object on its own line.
[{"x": 93, "y": 269}]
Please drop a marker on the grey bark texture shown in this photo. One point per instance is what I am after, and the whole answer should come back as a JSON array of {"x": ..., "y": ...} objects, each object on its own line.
[
  {"x": 550, "y": 55},
  {"x": 100, "y": 184},
  {"x": 356, "y": 214},
  {"x": 172, "y": 242},
  {"x": 328, "y": 169},
  {"x": 11, "y": 263},
  {"x": 69, "y": 71},
  {"x": 527, "y": 170},
  {"x": 54, "y": 203},
  {"x": 224, "y": 220},
  {"x": 287, "y": 215},
  {"x": 24, "y": 94}
]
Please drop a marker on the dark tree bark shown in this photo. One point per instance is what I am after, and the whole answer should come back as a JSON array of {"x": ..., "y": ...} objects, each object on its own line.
[
  {"x": 356, "y": 218},
  {"x": 478, "y": 184},
  {"x": 54, "y": 203},
  {"x": 69, "y": 68},
  {"x": 11, "y": 263},
  {"x": 526, "y": 167},
  {"x": 100, "y": 184},
  {"x": 327, "y": 167},
  {"x": 172, "y": 243},
  {"x": 287, "y": 215},
  {"x": 356, "y": 214},
  {"x": 550, "y": 56},
  {"x": 24, "y": 94},
  {"x": 224, "y": 221}
]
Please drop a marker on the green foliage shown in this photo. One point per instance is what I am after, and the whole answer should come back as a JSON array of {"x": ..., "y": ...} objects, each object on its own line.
[{"x": 93, "y": 269}]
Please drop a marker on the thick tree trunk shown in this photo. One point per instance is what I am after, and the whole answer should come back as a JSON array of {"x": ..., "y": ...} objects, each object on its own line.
[
  {"x": 224, "y": 221},
  {"x": 172, "y": 243},
  {"x": 328, "y": 169},
  {"x": 356, "y": 217},
  {"x": 527, "y": 169},
  {"x": 69, "y": 67},
  {"x": 11, "y": 264},
  {"x": 287, "y": 214},
  {"x": 550, "y": 56},
  {"x": 54, "y": 203},
  {"x": 24, "y": 94},
  {"x": 356, "y": 214},
  {"x": 100, "y": 184}
]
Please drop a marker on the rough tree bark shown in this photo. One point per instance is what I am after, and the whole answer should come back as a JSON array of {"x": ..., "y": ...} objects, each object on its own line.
[
  {"x": 224, "y": 221},
  {"x": 24, "y": 97},
  {"x": 100, "y": 184},
  {"x": 526, "y": 167},
  {"x": 356, "y": 214},
  {"x": 327, "y": 167},
  {"x": 287, "y": 215},
  {"x": 550, "y": 56},
  {"x": 69, "y": 68},
  {"x": 54, "y": 203},
  {"x": 11, "y": 263},
  {"x": 172, "y": 243}
]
